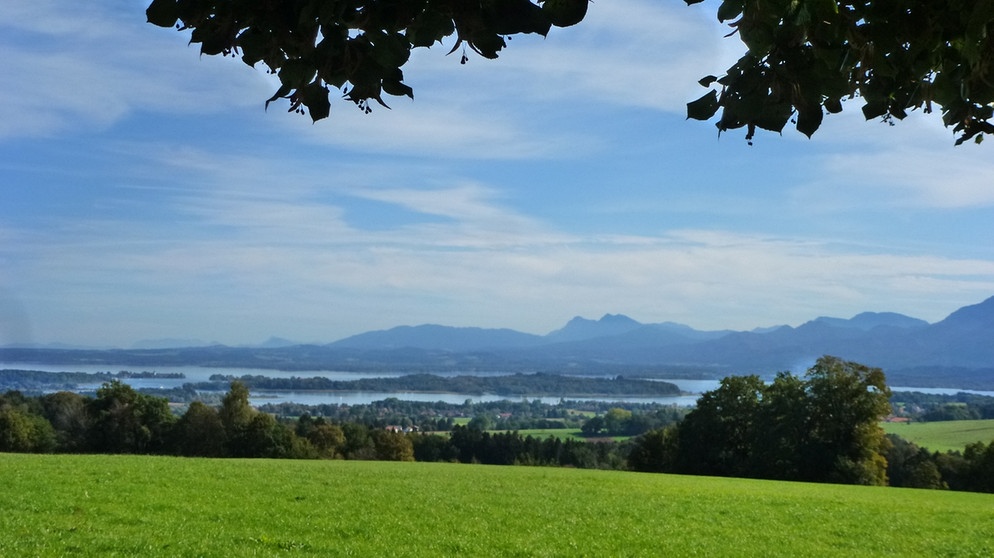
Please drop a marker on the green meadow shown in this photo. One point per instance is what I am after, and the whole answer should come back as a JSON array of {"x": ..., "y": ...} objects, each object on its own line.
[
  {"x": 164, "y": 506},
  {"x": 543, "y": 433},
  {"x": 943, "y": 436}
]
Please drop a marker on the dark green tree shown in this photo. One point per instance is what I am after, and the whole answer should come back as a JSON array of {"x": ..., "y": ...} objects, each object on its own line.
[
  {"x": 200, "y": 432},
  {"x": 910, "y": 466},
  {"x": 392, "y": 446},
  {"x": 783, "y": 429},
  {"x": 802, "y": 59},
  {"x": 125, "y": 421},
  {"x": 358, "y": 444},
  {"x": 593, "y": 426},
  {"x": 617, "y": 421},
  {"x": 327, "y": 439},
  {"x": 264, "y": 436},
  {"x": 979, "y": 474},
  {"x": 67, "y": 413},
  {"x": 433, "y": 447},
  {"x": 819, "y": 428},
  {"x": 24, "y": 432},
  {"x": 655, "y": 451},
  {"x": 844, "y": 441},
  {"x": 235, "y": 411},
  {"x": 718, "y": 437}
]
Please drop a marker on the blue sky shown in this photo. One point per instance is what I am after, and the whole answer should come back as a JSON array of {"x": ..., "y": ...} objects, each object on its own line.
[{"x": 146, "y": 194}]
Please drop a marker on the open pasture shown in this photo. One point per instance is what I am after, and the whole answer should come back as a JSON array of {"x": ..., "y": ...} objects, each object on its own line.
[
  {"x": 162, "y": 506},
  {"x": 946, "y": 435}
]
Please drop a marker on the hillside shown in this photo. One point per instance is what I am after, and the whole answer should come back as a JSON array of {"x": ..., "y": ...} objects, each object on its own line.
[{"x": 130, "y": 506}]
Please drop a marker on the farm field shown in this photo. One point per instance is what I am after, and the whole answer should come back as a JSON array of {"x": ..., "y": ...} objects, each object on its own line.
[
  {"x": 943, "y": 435},
  {"x": 164, "y": 506}
]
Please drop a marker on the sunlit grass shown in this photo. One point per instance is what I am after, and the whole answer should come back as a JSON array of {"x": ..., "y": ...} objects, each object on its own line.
[
  {"x": 159, "y": 506},
  {"x": 944, "y": 435},
  {"x": 543, "y": 433}
]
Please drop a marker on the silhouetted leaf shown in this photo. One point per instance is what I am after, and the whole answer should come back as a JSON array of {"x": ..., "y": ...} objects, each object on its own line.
[
  {"x": 163, "y": 13},
  {"x": 729, "y": 9},
  {"x": 315, "y": 98},
  {"x": 703, "y": 108},
  {"x": 808, "y": 121}
]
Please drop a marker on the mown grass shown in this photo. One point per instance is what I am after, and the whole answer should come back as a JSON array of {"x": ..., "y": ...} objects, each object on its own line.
[
  {"x": 160, "y": 506},
  {"x": 943, "y": 435}
]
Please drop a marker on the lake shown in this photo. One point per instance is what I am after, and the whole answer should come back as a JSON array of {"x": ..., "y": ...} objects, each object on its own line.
[{"x": 691, "y": 388}]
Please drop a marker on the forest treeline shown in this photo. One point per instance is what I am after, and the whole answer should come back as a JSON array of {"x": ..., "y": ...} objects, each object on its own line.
[
  {"x": 511, "y": 385},
  {"x": 820, "y": 427},
  {"x": 927, "y": 407}
]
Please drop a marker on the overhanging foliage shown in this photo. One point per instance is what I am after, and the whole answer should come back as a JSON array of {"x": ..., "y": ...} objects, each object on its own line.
[{"x": 803, "y": 58}]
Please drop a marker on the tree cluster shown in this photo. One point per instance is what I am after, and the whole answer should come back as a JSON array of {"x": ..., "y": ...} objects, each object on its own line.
[
  {"x": 969, "y": 470},
  {"x": 469, "y": 444},
  {"x": 927, "y": 407},
  {"x": 819, "y": 428},
  {"x": 623, "y": 422},
  {"x": 121, "y": 420},
  {"x": 439, "y": 416}
]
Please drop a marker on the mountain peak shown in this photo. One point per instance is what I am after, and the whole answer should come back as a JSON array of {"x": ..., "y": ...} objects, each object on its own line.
[
  {"x": 617, "y": 319},
  {"x": 580, "y": 328},
  {"x": 868, "y": 320}
]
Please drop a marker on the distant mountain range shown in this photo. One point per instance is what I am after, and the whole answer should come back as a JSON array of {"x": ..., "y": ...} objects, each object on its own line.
[{"x": 955, "y": 352}]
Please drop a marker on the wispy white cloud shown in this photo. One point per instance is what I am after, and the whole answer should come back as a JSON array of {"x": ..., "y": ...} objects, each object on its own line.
[
  {"x": 912, "y": 165},
  {"x": 635, "y": 54},
  {"x": 530, "y": 102},
  {"x": 100, "y": 63},
  {"x": 295, "y": 260}
]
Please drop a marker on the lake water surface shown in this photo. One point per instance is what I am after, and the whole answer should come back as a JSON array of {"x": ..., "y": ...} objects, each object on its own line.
[{"x": 691, "y": 388}]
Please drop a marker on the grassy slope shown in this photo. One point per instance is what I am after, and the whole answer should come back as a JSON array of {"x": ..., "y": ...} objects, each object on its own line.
[
  {"x": 944, "y": 435},
  {"x": 158, "y": 506}
]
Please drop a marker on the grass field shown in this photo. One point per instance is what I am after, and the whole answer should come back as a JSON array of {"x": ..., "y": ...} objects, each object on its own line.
[
  {"x": 944, "y": 435},
  {"x": 160, "y": 506},
  {"x": 561, "y": 433}
]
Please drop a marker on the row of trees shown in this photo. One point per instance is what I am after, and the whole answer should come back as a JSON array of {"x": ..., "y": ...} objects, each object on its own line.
[
  {"x": 617, "y": 421},
  {"x": 822, "y": 427},
  {"x": 468, "y": 444},
  {"x": 122, "y": 420},
  {"x": 512, "y": 385},
  {"x": 913, "y": 467}
]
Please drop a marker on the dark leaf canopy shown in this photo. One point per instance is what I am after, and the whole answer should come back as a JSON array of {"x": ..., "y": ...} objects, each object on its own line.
[
  {"x": 803, "y": 58},
  {"x": 358, "y": 46}
]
